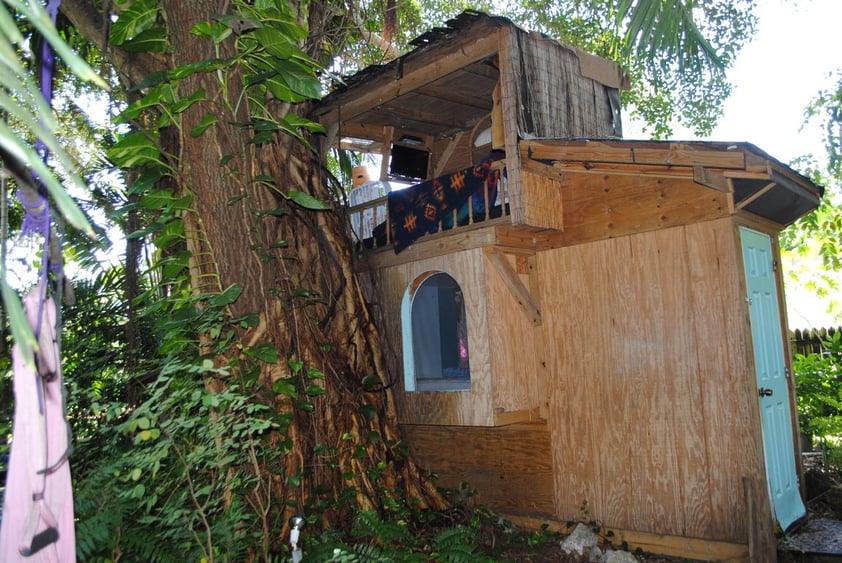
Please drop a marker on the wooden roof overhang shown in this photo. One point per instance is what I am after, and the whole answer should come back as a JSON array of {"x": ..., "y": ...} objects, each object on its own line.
[
  {"x": 754, "y": 182},
  {"x": 441, "y": 87}
]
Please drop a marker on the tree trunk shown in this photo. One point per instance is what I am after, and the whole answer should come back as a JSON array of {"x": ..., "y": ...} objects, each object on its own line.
[{"x": 306, "y": 293}]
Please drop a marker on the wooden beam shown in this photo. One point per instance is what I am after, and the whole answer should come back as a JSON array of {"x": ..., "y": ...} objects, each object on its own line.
[
  {"x": 504, "y": 418},
  {"x": 711, "y": 179},
  {"x": 447, "y": 153},
  {"x": 542, "y": 169},
  {"x": 674, "y": 154},
  {"x": 657, "y": 544},
  {"x": 510, "y": 277},
  {"x": 755, "y": 195},
  {"x": 432, "y": 245},
  {"x": 417, "y": 69}
]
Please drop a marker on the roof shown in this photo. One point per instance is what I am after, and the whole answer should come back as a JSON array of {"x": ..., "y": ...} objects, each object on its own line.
[
  {"x": 444, "y": 84},
  {"x": 761, "y": 184}
]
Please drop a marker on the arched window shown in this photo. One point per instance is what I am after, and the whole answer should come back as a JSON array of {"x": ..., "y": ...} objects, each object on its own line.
[{"x": 435, "y": 335}]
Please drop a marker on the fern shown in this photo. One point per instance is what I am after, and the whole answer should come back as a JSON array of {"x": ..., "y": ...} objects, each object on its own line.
[
  {"x": 457, "y": 545},
  {"x": 368, "y": 524}
]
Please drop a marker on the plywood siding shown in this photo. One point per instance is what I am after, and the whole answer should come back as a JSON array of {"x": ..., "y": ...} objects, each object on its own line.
[
  {"x": 510, "y": 467},
  {"x": 601, "y": 205},
  {"x": 541, "y": 199},
  {"x": 386, "y": 290},
  {"x": 516, "y": 344},
  {"x": 650, "y": 381}
]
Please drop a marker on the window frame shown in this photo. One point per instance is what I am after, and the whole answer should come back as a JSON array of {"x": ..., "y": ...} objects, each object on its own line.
[{"x": 412, "y": 383}]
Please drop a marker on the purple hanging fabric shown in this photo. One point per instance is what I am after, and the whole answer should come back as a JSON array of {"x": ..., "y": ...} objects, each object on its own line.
[
  {"x": 48, "y": 59},
  {"x": 37, "y": 523},
  {"x": 38, "y": 507}
]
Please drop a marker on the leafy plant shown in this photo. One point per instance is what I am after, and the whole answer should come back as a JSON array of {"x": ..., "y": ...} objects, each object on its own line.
[{"x": 818, "y": 379}]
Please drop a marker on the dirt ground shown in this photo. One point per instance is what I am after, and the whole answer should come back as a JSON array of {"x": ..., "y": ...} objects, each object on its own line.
[{"x": 824, "y": 501}]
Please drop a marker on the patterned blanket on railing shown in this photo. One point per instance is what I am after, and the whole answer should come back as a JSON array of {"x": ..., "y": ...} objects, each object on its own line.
[{"x": 417, "y": 210}]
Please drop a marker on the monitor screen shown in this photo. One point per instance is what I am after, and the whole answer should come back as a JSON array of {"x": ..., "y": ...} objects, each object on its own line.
[{"x": 409, "y": 162}]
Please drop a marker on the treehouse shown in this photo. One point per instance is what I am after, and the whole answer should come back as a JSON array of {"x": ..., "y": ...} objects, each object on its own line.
[{"x": 573, "y": 319}]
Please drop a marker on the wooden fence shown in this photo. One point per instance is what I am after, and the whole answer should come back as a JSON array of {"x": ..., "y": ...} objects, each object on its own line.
[{"x": 809, "y": 341}]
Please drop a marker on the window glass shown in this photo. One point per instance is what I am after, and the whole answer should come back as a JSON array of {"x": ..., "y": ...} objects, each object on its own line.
[{"x": 435, "y": 335}]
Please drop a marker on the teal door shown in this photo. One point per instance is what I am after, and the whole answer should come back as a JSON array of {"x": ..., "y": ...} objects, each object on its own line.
[{"x": 772, "y": 377}]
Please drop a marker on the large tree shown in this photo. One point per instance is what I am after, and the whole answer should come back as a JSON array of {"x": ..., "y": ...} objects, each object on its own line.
[{"x": 255, "y": 262}]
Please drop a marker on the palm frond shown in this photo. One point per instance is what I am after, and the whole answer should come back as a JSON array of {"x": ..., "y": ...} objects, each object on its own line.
[{"x": 665, "y": 30}]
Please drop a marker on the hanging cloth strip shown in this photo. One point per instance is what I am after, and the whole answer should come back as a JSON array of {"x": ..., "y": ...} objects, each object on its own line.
[
  {"x": 38, "y": 509},
  {"x": 37, "y": 524}
]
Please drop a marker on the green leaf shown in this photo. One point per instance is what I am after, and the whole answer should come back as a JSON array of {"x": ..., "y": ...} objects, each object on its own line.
[
  {"x": 152, "y": 40},
  {"x": 212, "y": 30},
  {"x": 135, "y": 149},
  {"x": 187, "y": 101},
  {"x": 275, "y": 43},
  {"x": 371, "y": 382},
  {"x": 295, "y": 365},
  {"x": 264, "y": 351},
  {"x": 294, "y": 120},
  {"x": 147, "y": 179},
  {"x": 305, "y": 406},
  {"x": 307, "y": 201},
  {"x": 300, "y": 78},
  {"x": 184, "y": 71},
  {"x": 155, "y": 97},
  {"x": 315, "y": 390},
  {"x": 282, "y": 91},
  {"x": 285, "y": 387},
  {"x": 135, "y": 19},
  {"x": 227, "y": 297},
  {"x": 160, "y": 199},
  {"x": 314, "y": 373},
  {"x": 173, "y": 232},
  {"x": 208, "y": 120},
  {"x": 21, "y": 330}
]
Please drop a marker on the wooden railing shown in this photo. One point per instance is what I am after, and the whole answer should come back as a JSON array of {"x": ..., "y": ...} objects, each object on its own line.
[{"x": 370, "y": 228}]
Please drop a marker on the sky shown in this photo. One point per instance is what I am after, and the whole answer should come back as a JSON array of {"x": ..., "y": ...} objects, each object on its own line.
[{"x": 795, "y": 54}]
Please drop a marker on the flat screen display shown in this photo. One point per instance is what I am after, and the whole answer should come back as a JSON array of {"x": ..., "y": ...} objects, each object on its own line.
[{"x": 409, "y": 162}]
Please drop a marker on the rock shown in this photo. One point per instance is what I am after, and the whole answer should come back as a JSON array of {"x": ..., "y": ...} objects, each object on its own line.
[
  {"x": 612, "y": 556},
  {"x": 595, "y": 555},
  {"x": 581, "y": 539}
]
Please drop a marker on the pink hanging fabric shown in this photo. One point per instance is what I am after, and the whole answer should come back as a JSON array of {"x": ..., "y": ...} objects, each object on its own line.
[{"x": 38, "y": 504}]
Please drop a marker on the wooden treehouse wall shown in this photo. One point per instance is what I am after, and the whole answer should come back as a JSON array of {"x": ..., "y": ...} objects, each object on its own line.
[
  {"x": 642, "y": 371},
  {"x": 502, "y": 348},
  {"x": 651, "y": 415}
]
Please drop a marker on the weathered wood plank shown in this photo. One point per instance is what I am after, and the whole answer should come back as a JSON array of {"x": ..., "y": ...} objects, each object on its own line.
[
  {"x": 650, "y": 375},
  {"x": 509, "y": 466},
  {"x": 542, "y": 201},
  {"x": 519, "y": 291},
  {"x": 598, "y": 207},
  {"x": 417, "y": 71},
  {"x": 672, "y": 154},
  {"x": 680, "y": 342},
  {"x": 694, "y": 548},
  {"x": 576, "y": 372},
  {"x": 718, "y": 294},
  {"x": 514, "y": 345}
]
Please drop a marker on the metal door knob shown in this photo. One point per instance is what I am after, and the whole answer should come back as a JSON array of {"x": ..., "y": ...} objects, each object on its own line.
[{"x": 765, "y": 392}]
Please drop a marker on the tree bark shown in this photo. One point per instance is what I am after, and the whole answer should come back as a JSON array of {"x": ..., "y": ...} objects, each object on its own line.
[{"x": 306, "y": 293}]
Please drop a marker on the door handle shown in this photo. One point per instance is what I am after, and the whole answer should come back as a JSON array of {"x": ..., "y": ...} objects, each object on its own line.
[{"x": 765, "y": 392}]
